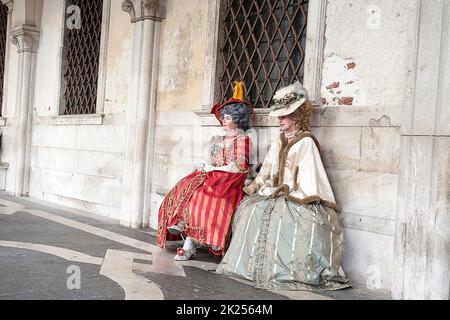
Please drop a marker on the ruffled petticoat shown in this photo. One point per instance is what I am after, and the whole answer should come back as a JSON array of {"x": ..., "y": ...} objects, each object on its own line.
[{"x": 278, "y": 244}]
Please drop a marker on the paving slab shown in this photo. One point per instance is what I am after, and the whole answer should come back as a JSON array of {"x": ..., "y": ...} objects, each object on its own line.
[{"x": 41, "y": 242}]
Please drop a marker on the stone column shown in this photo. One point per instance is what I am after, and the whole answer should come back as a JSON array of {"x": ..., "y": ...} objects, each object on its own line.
[
  {"x": 26, "y": 39},
  {"x": 146, "y": 15},
  {"x": 9, "y": 4},
  {"x": 422, "y": 236}
]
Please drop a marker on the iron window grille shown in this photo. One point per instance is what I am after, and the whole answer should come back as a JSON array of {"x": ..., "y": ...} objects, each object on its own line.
[
  {"x": 81, "y": 55},
  {"x": 3, "y": 32},
  {"x": 264, "y": 46}
]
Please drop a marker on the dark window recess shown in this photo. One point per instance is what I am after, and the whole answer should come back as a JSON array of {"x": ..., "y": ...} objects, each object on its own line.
[
  {"x": 3, "y": 31},
  {"x": 81, "y": 54},
  {"x": 264, "y": 45}
]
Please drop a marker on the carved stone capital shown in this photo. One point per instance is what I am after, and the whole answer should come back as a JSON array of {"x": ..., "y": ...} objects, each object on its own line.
[
  {"x": 26, "y": 38},
  {"x": 9, "y": 4},
  {"x": 145, "y": 9}
]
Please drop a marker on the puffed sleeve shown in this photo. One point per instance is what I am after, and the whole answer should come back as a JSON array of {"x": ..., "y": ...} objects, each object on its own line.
[
  {"x": 310, "y": 178},
  {"x": 242, "y": 153},
  {"x": 216, "y": 158}
]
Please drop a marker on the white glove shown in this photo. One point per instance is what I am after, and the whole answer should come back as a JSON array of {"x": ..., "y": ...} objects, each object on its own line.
[
  {"x": 231, "y": 167},
  {"x": 207, "y": 167},
  {"x": 266, "y": 191},
  {"x": 199, "y": 166},
  {"x": 204, "y": 166}
]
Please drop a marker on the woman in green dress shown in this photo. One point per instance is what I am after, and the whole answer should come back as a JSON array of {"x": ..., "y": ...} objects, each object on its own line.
[{"x": 287, "y": 234}]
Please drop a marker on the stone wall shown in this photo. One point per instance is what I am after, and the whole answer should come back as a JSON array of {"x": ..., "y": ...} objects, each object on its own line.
[
  {"x": 78, "y": 161},
  {"x": 182, "y": 55},
  {"x": 363, "y": 79}
]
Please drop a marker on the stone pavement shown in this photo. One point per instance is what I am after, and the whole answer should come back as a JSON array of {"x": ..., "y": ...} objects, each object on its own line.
[{"x": 53, "y": 252}]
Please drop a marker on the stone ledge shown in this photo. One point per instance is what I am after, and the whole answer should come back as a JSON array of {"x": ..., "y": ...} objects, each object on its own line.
[
  {"x": 328, "y": 116},
  {"x": 260, "y": 118},
  {"x": 71, "y": 120}
]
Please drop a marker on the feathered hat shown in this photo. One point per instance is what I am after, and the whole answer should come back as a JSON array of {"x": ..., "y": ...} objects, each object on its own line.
[
  {"x": 288, "y": 99},
  {"x": 238, "y": 97}
]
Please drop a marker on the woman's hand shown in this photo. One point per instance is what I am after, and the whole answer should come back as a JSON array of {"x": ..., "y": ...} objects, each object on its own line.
[{"x": 251, "y": 189}]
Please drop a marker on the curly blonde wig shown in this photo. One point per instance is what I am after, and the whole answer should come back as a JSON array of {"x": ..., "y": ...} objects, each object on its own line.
[{"x": 303, "y": 116}]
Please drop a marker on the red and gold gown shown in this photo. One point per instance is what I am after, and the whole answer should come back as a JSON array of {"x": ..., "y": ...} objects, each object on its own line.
[{"x": 206, "y": 201}]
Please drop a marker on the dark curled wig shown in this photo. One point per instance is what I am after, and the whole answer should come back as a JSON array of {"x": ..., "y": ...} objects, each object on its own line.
[
  {"x": 303, "y": 116},
  {"x": 239, "y": 112}
]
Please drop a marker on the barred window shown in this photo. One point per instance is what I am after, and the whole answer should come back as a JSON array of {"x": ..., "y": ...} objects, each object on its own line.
[
  {"x": 81, "y": 54},
  {"x": 3, "y": 31},
  {"x": 264, "y": 46}
]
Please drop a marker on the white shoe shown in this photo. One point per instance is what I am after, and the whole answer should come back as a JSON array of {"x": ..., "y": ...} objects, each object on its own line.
[{"x": 184, "y": 255}]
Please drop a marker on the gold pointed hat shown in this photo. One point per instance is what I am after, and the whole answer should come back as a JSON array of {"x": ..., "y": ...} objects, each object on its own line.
[{"x": 238, "y": 97}]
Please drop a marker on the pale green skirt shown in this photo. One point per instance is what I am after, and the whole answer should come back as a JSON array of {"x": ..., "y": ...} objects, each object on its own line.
[{"x": 278, "y": 244}]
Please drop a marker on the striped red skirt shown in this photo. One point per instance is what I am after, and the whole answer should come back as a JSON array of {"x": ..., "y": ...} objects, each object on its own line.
[{"x": 206, "y": 203}]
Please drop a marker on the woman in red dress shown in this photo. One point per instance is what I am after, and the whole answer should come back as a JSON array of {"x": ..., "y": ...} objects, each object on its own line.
[{"x": 201, "y": 205}]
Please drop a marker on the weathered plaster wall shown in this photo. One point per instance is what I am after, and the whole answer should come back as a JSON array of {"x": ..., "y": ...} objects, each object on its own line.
[
  {"x": 118, "y": 60},
  {"x": 363, "y": 83},
  {"x": 365, "y": 52},
  {"x": 182, "y": 55}
]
